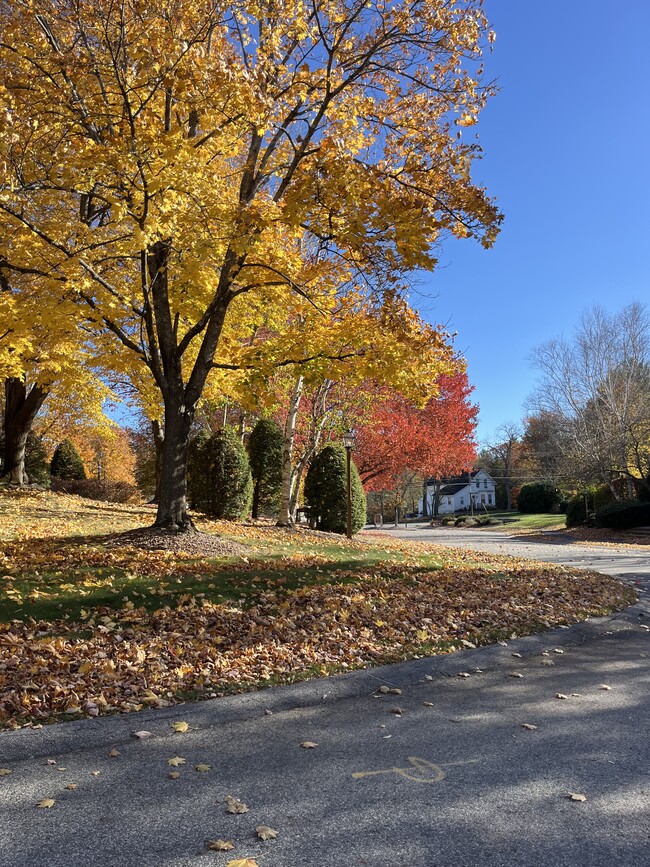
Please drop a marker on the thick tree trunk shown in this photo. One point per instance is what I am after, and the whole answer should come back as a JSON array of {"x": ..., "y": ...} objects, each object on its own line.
[
  {"x": 159, "y": 444},
  {"x": 21, "y": 407},
  {"x": 285, "y": 518},
  {"x": 173, "y": 511}
]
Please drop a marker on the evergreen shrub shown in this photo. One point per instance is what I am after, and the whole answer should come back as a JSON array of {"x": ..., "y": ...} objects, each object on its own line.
[
  {"x": 623, "y": 515},
  {"x": 219, "y": 481},
  {"x": 326, "y": 491},
  {"x": 265, "y": 450},
  {"x": 537, "y": 497},
  {"x": 66, "y": 463}
]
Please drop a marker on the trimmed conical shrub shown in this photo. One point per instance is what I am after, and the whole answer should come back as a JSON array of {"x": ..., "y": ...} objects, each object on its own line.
[
  {"x": 198, "y": 480},
  {"x": 66, "y": 463},
  {"x": 265, "y": 448},
  {"x": 219, "y": 479},
  {"x": 326, "y": 491}
]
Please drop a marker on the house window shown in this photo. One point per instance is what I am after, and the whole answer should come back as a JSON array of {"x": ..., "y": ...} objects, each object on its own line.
[
  {"x": 482, "y": 498},
  {"x": 489, "y": 499},
  {"x": 462, "y": 501},
  {"x": 485, "y": 483},
  {"x": 449, "y": 501}
]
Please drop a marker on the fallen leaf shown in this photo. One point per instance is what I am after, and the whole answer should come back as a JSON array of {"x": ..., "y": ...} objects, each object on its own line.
[
  {"x": 463, "y": 674},
  {"x": 266, "y": 833},
  {"x": 395, "y": 691},
  {"x": 529, "y": 726},
  {"x": 174, "y": 775},
  {"x": 396, "y": 710},
  {"x": 560, "y": 695},
  {"x": 203, "y": 767},
  {"x": 114, "y": 754},
  {"x": 310, "y": 745},
  {"x": 46, "y": 803},
  {"x": 95, "y": 773},
  {"x": 573, "y": 796},
  {"x": 234, "y": 805},
  {"x": 515, "y": 674},
  {"x": 384, "y": 690},
  {"x": 4, "y": 772},
  {"x": 221, "y": 845},
  {"x": 71, "y": 786},
  {"x": 604, "y": 686},
  {"x": 243, "y": 862},
  {"x": 518, "y": 655},
  {"x": 51, "y": 761},
  {"x": 176, "y": 761},
  {"x": 180, "y": 727},
  {"x": 142, "y": 735},
  {"x": 427, "y": 703},
  {"x": 557, "y": 650}
]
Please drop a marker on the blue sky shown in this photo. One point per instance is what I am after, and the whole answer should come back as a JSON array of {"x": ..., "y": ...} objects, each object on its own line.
[{"x": 567, "y": 154}]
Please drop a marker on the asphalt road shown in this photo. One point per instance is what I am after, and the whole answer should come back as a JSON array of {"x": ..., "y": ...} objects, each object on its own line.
[{"x": 455, "y": 779}]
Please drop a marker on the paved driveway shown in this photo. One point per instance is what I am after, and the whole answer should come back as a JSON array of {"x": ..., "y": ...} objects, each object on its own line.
[
  {"x": 632, "y": 563},
  {"x": 477, "y": 768}
]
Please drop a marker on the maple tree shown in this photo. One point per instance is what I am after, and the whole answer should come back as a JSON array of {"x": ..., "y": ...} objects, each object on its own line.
[
  {"x": 434, "y": 440},
  {"x": 175, "y": 166},
  {"x": 46, "y": 364}
]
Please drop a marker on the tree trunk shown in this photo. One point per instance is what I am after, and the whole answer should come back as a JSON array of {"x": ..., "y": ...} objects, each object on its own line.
[
  {"x": 159, "y": 444},
  {"x": 21, "y": 406},
  {"x": 285, "y": 518},
  {"x": 172, "y": 504}
]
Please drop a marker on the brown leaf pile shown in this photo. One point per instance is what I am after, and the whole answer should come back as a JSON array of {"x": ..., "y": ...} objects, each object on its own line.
[{"x": 132, "y": 658}]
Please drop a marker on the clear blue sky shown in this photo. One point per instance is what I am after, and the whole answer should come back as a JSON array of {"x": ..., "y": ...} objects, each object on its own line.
[{"x": 567, "y": 154}]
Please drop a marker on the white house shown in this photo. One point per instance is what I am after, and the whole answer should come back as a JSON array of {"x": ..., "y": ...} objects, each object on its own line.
[{"x": 469, "y": 491}]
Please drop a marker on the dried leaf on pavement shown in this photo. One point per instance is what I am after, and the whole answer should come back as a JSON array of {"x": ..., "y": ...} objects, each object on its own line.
[
  {"x": 235, "y": 806},
  {"x": 265, "y": 833},
  {"x": 221, "y": 845}
]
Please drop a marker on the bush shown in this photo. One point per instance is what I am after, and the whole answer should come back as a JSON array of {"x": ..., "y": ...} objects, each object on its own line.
[
  {"x": 595, "y": 497},
  {"x": 466, "y": 521},
  {"x": 198, "y": 482},
  {"x": 93, "y": 489},
  {"x": 326, "y": 491},
  {"x": 623, "y": 515},
  {"x": 537, "y": 497},
  {"x": 66, "y": 463},
  {"x": 220, "y": 481},
  {"x": 265, "y": 450}
]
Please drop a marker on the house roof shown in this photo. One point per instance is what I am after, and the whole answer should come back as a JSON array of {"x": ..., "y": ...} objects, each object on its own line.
[
  {"x": 450, "y": 490},
  {"x": 454, "y": 484}
]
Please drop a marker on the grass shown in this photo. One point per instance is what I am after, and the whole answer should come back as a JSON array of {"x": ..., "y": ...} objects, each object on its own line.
[
  {"x": 517, "y": 521},
  {"x": 89, "y": 628}
]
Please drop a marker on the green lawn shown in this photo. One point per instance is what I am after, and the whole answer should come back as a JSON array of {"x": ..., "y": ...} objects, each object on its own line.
[{"x": 517, "y": 521}]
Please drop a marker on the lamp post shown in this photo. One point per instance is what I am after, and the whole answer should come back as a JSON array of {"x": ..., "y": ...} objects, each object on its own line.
[{"x": 348, "y": 442}]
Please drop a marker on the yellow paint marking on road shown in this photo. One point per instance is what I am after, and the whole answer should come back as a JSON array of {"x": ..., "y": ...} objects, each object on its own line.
[{"x": 420, "y": 770}]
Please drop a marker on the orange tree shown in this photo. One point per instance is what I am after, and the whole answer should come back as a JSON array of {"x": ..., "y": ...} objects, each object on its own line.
[{"x": 165, "y": 165}]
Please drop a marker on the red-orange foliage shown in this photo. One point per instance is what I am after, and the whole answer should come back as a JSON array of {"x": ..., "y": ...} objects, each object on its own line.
[{"x": 437, "y": 440}]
